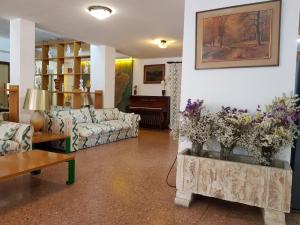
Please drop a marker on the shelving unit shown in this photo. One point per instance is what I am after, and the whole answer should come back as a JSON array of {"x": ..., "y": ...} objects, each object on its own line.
[{"x": 61, "y": 66}]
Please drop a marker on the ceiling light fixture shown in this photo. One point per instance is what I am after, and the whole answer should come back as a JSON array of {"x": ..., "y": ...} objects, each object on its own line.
[
  {"x": 163, "y": 44},
  {"x": 100, "y": 12}
]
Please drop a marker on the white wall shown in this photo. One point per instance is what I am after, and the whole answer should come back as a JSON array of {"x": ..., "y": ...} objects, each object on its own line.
[
  {"x": 138, "y": 75},
  {"x": 4, "y": 49},
  {"x": 239, "y": 87}
]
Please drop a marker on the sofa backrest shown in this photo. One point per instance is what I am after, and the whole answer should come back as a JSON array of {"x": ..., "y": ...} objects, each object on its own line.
[
  {"x": 59, "y": 112},
  {"x": 82, "y": 115},
  {"x": 101, "y": 115}
]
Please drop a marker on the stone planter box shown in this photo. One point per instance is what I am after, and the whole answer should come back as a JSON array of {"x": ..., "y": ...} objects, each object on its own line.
[{"x": 239, "y": 180}]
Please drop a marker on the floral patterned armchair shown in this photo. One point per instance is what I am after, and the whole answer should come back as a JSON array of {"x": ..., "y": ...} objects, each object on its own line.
[{"x": 15, "y": 137}]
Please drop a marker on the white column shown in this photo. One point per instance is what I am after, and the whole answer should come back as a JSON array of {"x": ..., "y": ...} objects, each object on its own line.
[
  {"x": 22, "y": 65},
  {"x": 103, "y": 73}
]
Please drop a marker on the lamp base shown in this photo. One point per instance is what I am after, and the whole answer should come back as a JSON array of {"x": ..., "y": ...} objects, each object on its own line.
[{"x": 37, "y": 121}]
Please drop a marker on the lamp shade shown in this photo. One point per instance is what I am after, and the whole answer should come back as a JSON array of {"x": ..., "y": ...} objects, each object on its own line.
[
  {"x": 86, "y": 100},
  {"x": 37, "y": 99}
]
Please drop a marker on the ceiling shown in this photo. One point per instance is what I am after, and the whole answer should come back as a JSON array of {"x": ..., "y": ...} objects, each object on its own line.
[
  {"x": 131, "y": 29},
  {"x": 40, "y": 34}
]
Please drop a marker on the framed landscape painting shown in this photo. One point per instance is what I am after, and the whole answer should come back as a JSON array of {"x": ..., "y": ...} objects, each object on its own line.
[
  {"x": 239, "y": 36},
  {"x": 154, "y": 74}
]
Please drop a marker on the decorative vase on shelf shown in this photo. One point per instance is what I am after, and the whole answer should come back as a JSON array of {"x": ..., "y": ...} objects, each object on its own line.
[
  {"x": 81, "y": 84},
  {"x": 163, "y": 92},
  {"x": 225, "y": 152},
  {"x": 267, "y": 155},
  {"x": 68, "y": 52},
  {"x": 196, "y": 149},
  {"x": 86, "y": 68},
  {"x": 80, "y": 52},
  {"x": 50, "y": 54},
  {"x": 38, "y": 82}
]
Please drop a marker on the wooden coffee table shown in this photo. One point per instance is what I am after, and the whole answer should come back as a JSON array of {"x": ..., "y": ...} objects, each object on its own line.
[
  {"x": 47, "y": 137},
  {"x": 35, "y": 160}
]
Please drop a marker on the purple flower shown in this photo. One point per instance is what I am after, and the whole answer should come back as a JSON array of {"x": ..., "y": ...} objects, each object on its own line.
[{"x": 193, "y": 109}]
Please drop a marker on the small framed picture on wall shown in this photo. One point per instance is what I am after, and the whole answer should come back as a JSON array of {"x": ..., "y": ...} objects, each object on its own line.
[{"x": 154, "y": 74}]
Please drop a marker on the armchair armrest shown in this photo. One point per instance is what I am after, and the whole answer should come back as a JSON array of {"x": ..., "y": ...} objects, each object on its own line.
[
  {"x": 133, "y": 120},
  {"x": 66, "y": 125},
  {"x": 56, "y": 125},
  {"x": 24, "y": 137}
]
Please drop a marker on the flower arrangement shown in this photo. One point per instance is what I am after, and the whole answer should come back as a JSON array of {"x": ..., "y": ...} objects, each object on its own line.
[
  {"x": 195, "y": 125},
  {"x": 263, "y": 134},
  {"x": 273, "y": 129},
  {"x": 229, "y": 124}
]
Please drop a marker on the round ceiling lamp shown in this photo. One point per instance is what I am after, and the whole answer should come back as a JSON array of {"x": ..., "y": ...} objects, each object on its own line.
[
  {"x": 100, "y": 12},
  {"x": 163, "y": 44}
]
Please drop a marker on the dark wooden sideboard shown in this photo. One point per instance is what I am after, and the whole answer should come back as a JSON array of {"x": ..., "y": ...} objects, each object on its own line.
[{"x": 154, "y": 110}]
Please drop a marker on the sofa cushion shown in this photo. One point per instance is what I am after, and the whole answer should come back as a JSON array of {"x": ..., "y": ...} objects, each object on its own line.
[
  {"x": 116, "y": 125},
  {"x": 100, "y": 115},
  {"x": 82, "y": 115},
  {"x": 8, "y": 146},
  {"x": 8, "y": 130},
  {"x": 91, "y": 129}
]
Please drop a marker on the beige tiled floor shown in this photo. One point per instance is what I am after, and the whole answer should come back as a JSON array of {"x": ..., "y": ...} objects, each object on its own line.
[{"x": 117, "y": 184}]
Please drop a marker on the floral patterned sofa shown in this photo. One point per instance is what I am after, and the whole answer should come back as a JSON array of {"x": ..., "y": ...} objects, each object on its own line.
[
  {"x": 15, "y": 137},
  {"x": 89, "y": 127}
]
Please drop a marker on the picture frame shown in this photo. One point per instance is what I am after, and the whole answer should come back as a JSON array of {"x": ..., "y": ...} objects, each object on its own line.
[
  {"x": 154, "y": 74},
  {"x": 238, "y": 36}
]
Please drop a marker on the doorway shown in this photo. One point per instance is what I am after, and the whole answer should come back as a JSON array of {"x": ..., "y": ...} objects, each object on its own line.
[{"x": 4, "y": 78}]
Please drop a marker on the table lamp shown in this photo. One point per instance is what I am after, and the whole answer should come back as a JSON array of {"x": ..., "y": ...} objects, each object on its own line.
[
  {"x": 86, "y": 100},
  {"x": 37, "y": 100}
]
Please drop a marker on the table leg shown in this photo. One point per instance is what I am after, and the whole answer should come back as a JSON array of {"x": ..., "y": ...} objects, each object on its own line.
[
  {"x": 68, "y": 145},
  {"x": 71, "y": 172}
]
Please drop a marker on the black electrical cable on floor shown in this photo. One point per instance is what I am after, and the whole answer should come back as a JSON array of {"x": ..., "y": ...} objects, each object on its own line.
[{"x": 167, "y": 179}]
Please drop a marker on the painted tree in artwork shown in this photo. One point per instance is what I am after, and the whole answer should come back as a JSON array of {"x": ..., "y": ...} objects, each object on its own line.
[
  {"x": 259, "y": 22},
  {"x": 257, "y": 26},
  {"x": 211, "y": 35},
  {"x": 221, "y": 24},
  {"x": 237, "y": 36},
  {"x": 216, "y": 32}
]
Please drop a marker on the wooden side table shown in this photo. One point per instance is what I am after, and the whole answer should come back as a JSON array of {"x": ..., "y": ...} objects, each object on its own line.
[{"x": 47, "y": 137}]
